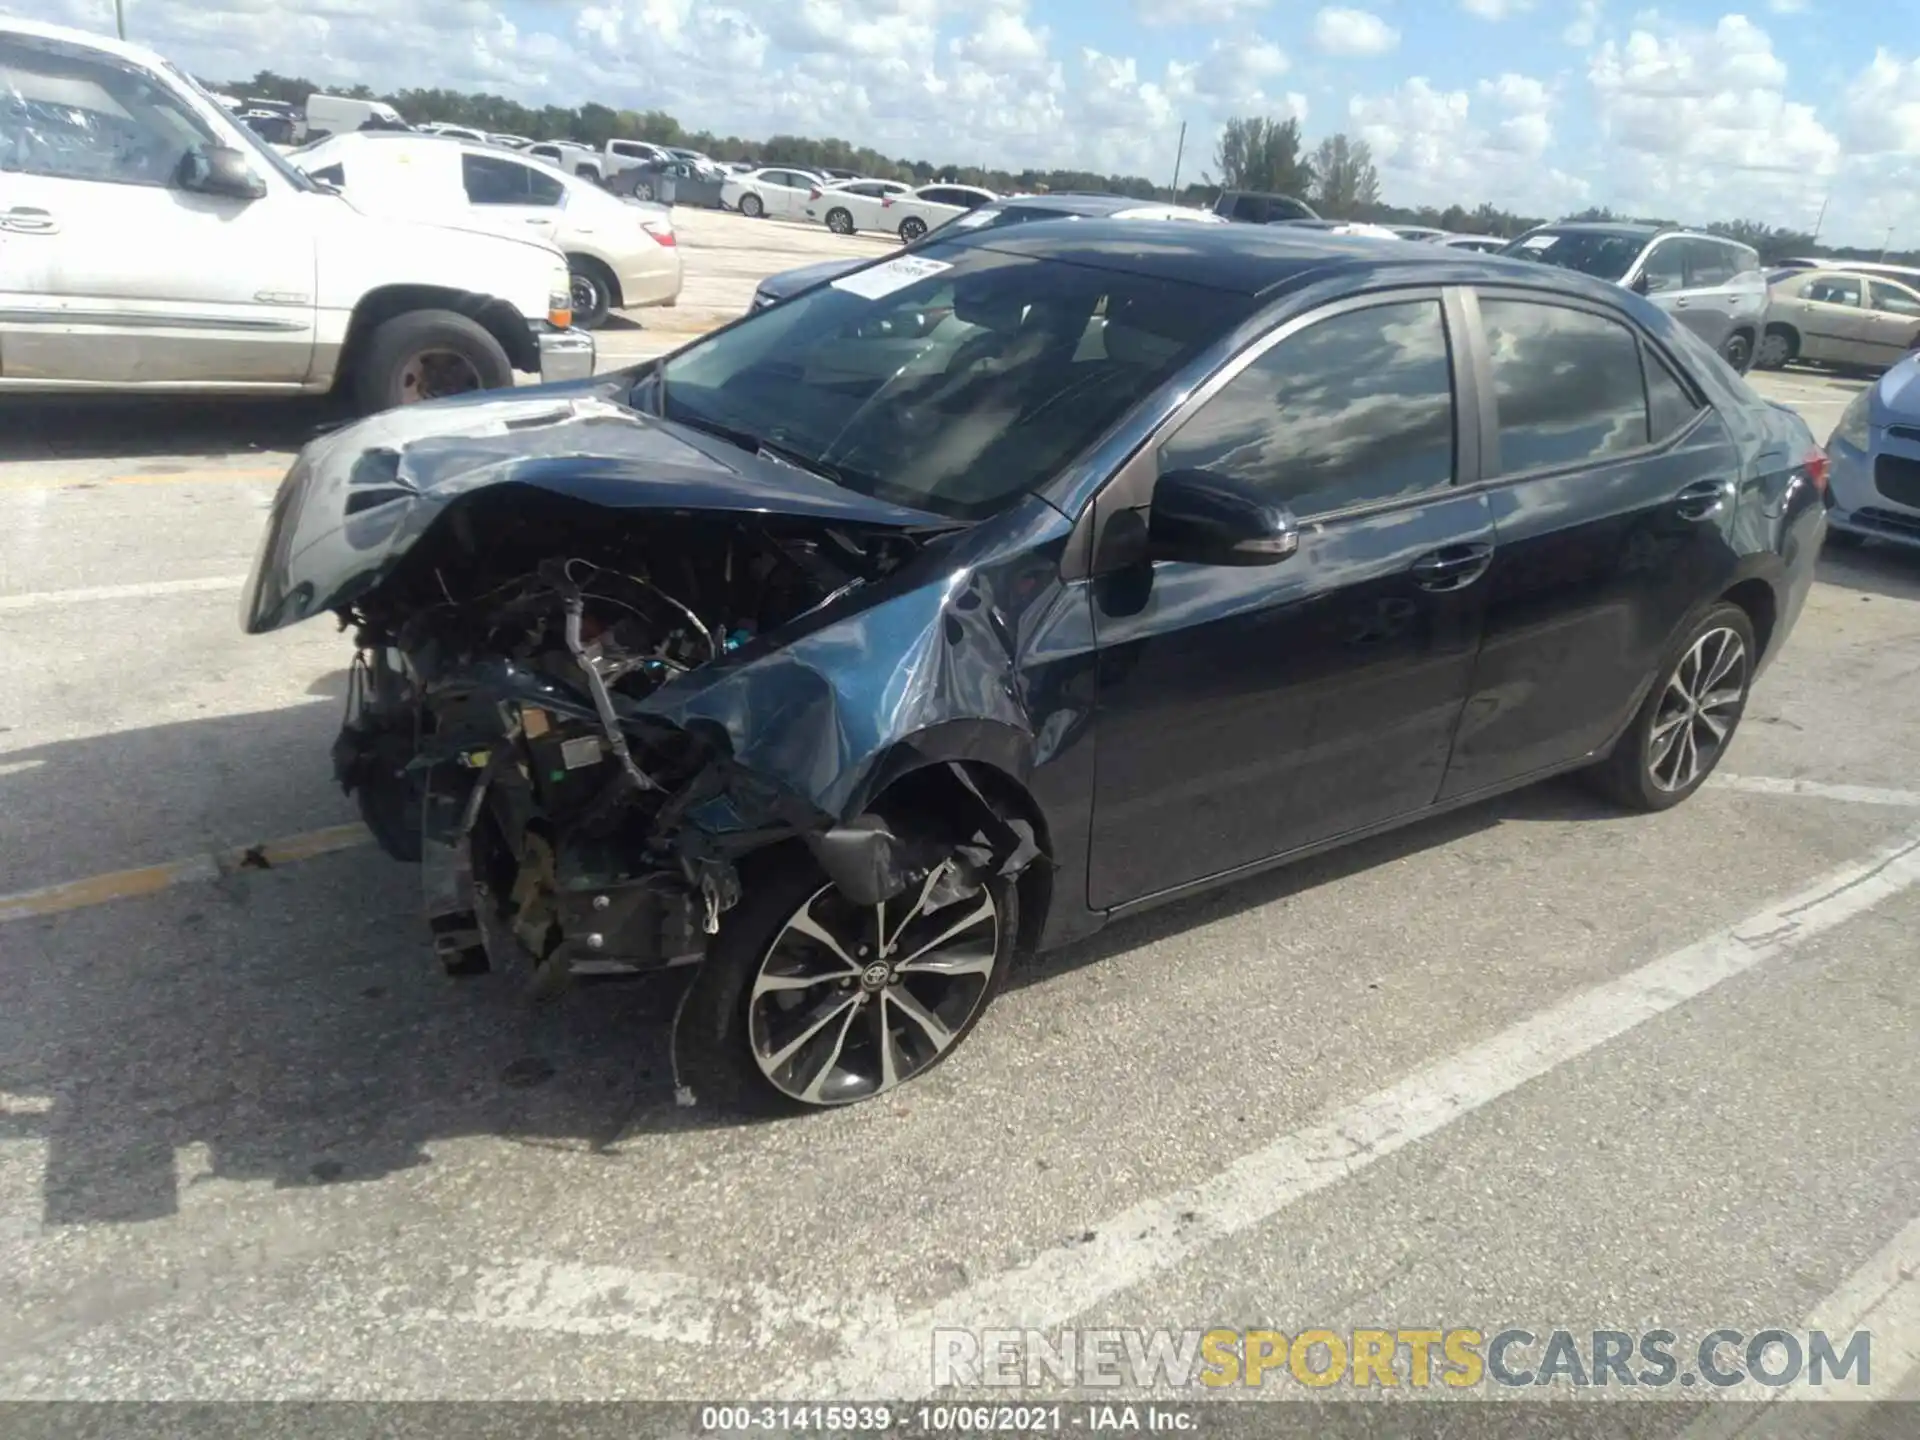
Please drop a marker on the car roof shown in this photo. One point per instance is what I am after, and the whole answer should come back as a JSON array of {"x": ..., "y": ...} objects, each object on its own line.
[
  {"x": 1258, "y": 260},
  {"x": 40, "y": 30},
  {"x": 1628, "y": 228}
]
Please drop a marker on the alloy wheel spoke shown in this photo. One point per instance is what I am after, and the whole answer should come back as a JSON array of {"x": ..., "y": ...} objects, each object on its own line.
[
  {"x": 931, "y": 1025},
  {"x": 827, "y": 1066},
  {"x": 887, "y": 942},
  {"x": 1716, "y": 728},
  {"x": 1664, "y": 728},
  {"x": 824, "y": 1016},
  {"x": 1663, "y": 750},
  {"x": 1732, "y": 653},
  {"x": 883, "y": 1040},
  {"x": 771, "y": 984},
  {"x": 814, "y": 930},
  {"x": 1689, "y": 756},
  {"x": 961, "y": 960},
  {"x": 983, "y": 912},
  {"x": 1722, "y": 699}
]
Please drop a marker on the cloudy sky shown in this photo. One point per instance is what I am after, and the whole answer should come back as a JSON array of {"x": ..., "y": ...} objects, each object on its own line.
[{"x": 1693, "y": 108}]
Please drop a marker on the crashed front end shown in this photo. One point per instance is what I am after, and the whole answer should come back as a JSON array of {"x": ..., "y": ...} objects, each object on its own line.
[{"x": 601, "y": 665}]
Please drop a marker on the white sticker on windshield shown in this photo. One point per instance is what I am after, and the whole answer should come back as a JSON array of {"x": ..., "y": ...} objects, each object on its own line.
[
  {"x": 882, "y": 280},
  {"x": 1539, "y": 242}
]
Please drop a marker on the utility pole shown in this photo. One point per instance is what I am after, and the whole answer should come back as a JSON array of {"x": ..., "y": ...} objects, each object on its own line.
[
  {"x": 1178, "y": 154},
  {"x": 120, "y": 17},
  {"x": 1886, "y": 244},
  {"x": 1820, "y": 219}
]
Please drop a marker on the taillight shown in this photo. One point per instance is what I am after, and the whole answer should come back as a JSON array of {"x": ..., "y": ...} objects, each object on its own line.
[
  {"x": 662, "y": 234},
  {"x": 1816, "y": 466},
  {"x": 886, "y": 202},
  {"x": 814, "y": 193}
]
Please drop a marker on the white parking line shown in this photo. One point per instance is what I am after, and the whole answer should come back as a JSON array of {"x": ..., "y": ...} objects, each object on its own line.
[
  {"x": 1818, "y": 790},
  {"x": 1882, "y": 1297},
  {"x": 1152, "y": 1237},
  {"x": 35, "y": 599}
]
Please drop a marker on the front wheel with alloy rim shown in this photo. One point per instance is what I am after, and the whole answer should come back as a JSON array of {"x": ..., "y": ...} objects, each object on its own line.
[
  {"x": 808, "y": 1001},
  {"x": 840, "y": 220},
  {"x": 912, "y": 228},
  {"x": 1688, "y": 719}
]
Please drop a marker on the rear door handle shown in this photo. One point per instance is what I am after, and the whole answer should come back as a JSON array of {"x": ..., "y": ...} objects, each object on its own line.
[
  {"x": 1703, "y": 499},
  {"x": 1452, "y": 567},
  {"x": 28, "y": 220}
]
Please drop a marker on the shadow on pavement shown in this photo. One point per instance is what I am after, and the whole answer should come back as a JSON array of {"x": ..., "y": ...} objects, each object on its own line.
[
  {"x": 1872, "y": 568},
  {"x": 293, "y": 1022},
  {"x": 88, "y": 428}
]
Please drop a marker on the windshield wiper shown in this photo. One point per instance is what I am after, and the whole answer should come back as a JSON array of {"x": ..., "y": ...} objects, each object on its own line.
[{"x": 825, "y": 469}]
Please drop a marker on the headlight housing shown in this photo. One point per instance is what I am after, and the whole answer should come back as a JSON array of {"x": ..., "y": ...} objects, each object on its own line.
[{"x": 1854, "y": 428}]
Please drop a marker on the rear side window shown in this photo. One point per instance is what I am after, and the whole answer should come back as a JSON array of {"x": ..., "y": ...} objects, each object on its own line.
[
  {"x": 1355, "y": 409},
  {"x": 1709, "y": 262},
  {"x": 1670, "y": 408},
  {"x": 1832, "y": 290},
  {"x": 1567, "y": 385},
  {"x": 1892, "y": 299},
  {"x": 492, "y": 181}
]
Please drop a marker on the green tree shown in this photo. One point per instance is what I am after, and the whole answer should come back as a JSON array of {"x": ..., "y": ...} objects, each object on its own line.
[
  {"x": 1344, "y": 180},
  {"x": 1258, "y": 153}
]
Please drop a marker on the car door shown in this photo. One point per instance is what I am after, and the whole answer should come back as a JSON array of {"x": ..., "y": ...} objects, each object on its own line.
[
  {"x": 1606, "y": 540},
  {"x": 110, "y": 271},
  {"x": 513, "y": 195},
  {"x": 1835, "y": 324},
  {"x": 1664, "y": 276},
  {"x": 1896, "y": 320},
  {"x": 1248, "y": 711}
]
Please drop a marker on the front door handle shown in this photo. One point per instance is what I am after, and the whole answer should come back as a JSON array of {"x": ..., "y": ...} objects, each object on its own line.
[
  {"x": 1681, "y": 303},
  {"x": 28, "y": 220},
  {"x": 1703, "y": 499},
  {"x": 1452, "y": 567}
]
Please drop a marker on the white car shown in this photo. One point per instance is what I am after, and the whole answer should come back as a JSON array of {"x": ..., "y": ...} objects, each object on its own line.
[
  {"x": 773, "y": 190},
  {"x": 149, "y": 243},
  {"x": 621, "y": 253},
  {"x": 912, "y": 213},
  {"x": 827, "y": 202}
]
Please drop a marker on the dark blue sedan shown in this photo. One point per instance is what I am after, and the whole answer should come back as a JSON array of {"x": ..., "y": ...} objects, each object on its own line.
[{"x": 1018, "y": 581}]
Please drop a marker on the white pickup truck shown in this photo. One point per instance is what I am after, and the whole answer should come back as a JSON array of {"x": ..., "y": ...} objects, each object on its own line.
[{"x": 151, "y": 244}]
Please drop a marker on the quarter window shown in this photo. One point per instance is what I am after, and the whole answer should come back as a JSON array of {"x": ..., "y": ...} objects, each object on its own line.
[
  {"x": 1567, "y": 385},
  {"x": 1669, "y": 405},
  {"x": 1354, "y": 409}
]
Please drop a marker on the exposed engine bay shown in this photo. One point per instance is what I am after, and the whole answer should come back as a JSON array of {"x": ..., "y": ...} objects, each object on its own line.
[{"x": 494, "y": 730}]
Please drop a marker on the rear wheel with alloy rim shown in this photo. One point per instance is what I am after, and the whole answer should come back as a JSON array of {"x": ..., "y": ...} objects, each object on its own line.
[
  {"x": 751, "y": 207},
  {"x": 591, "y": 287},
  {"x": 912, "y": 228},
  {"x": 810, "y": 1001},
  {"x": 1686, "y": 723},
  {"x": 840, "y": 220},
  {"x": 1776, "y": 349}
]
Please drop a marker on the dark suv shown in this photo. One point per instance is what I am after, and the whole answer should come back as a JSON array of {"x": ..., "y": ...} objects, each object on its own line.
[{"x": 1260, "y": 207}]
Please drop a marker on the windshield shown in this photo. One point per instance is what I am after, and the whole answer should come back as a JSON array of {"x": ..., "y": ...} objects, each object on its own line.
[
  {"x": 953, "y": 380},
  {"x": 1592, "y": 252}
]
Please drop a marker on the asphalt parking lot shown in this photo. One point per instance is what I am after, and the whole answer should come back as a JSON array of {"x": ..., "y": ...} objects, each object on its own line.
[{"x": 1535, "y": 1064}]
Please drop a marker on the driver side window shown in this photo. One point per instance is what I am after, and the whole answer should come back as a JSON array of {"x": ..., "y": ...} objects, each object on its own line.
[
  {"x": 1354, "y": 409},
  {"x": 70, "y": 114},
  {"x": 1666, "y": 267}
]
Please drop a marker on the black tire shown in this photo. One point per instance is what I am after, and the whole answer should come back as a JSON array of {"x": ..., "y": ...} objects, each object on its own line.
[
  {"x": 1777, "y": 347},
  {"x": 592, "y": 288},
  {"x": 840, "y": 220},
  {"x": 427, "y": 355},
  {"x": 751, "y": 207},
  {"x": 911, "y": 229},
  {"x": 1737, "y": 351},
  {"x": 1632, "y": 776},
  {"x": 713, "y": 1044}
]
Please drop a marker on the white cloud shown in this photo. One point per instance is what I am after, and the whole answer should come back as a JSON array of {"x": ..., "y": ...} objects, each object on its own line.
[
  {"x": 1196, "y": 12},
  {"x": 1495, "y": 9},
  {"x": 1584, "y": 25},
  {"x": 1787, "y": 7},
  {"x": 1444, "y": 147},
  {"x": 1883, "y": 107},
  {"x": 1339, "y": 31},
  {"x": 1699, "y": 126}
]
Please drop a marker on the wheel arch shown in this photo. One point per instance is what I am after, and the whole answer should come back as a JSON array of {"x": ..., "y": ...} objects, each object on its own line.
[
  {"x": 495, "y": 316},
  {"x": 604, "y": 272},
  {"x": 1755, "y": 595},
  {"x": 992, "y": 758},
  {"x": 1786, "y": 328}
]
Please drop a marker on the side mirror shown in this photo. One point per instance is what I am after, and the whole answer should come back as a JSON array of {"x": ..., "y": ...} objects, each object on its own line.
[
  {"x": 1641, "y": 285},
  {"x": 1207, "y": 518},
  {"x": 220, "y": 170}
]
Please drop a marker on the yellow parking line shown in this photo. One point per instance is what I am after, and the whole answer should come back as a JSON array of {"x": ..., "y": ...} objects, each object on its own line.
[
  {"x": 151, "y": 879},
  {"x": 178, "y": 477}
]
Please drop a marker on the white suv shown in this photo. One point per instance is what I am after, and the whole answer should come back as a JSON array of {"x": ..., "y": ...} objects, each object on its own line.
[{"x": 149, "y": 243}]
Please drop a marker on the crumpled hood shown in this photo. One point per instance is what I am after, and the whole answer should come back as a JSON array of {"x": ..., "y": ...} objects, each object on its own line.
[{"x": 358, "y": 499}]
